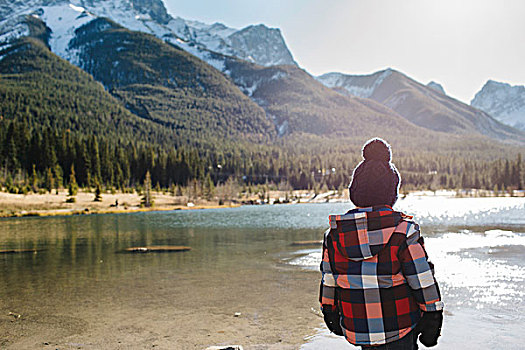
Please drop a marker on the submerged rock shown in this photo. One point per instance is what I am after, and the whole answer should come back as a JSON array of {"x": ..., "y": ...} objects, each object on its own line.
[{"x": 157, "y": 249}]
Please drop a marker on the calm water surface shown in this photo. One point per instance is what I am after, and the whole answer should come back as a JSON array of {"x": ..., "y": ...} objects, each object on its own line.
[{"x": 477, "y": 245}]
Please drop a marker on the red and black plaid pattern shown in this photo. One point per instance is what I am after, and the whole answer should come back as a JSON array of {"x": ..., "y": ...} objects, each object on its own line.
[{"x": 376, "y": 275}]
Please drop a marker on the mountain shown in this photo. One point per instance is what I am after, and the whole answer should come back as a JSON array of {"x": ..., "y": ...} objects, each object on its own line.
[
  {"x": 146, "y": 88},
  {"x": 504, "y": 102},
  {"x": 296, "y": 102},
  {"x": 163, "y": 83},
  {"x": 436, "y": 86},
  {"x": 259, "y": 44},
  {"x": 253, "y": 44},
  {"x": 219, "y": 45},
  {"x": 420, "y": 104},
  {"x": 158, "y": 81}
]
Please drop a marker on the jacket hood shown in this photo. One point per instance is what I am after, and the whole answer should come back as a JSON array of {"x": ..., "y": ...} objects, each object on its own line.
[{"x": 363, "y": 232}]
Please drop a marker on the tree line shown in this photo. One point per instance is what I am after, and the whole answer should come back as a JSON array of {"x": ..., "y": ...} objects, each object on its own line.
[{"x": 36, "y": 160}]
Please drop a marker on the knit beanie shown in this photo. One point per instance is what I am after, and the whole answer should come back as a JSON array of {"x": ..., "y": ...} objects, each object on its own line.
[{"x": 375, "y": 180}]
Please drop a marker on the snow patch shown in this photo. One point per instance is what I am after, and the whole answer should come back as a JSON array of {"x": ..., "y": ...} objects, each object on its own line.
[
  {"x": 12, "y": 29},
  {"x": 143, "y": 17},
  {"x": 63, "y": 20},
  {"x": 362, "y": 86},
  {"x": 249, "y": 90},
  {"x": 77, "y": 8},
  {"x": 396, "y": 100},
  {"x": 283, "y": 128},
  {"x": 200, "y": 53},
  {"x": 278, "y": 76}
]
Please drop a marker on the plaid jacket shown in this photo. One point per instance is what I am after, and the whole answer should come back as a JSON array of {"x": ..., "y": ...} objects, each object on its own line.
[{"x": 376, "y": 275}]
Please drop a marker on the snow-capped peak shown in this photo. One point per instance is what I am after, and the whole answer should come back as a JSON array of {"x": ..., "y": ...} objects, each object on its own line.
[
  {"x": 502, "y": 101},
  {"x": 437, "y": 87},
  {"x": 264, "y": 45},
  {"x": 260, "y": 44}
]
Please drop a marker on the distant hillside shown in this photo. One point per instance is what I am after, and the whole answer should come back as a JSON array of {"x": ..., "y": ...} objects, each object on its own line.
[
  {"x": 504, "y": 102},
  {"x": 420, "y": 104},
  {"x": 296, "y": 102}
]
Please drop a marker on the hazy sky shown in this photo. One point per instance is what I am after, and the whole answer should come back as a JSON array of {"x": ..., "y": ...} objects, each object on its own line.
[{"x": 457, "y": 43}]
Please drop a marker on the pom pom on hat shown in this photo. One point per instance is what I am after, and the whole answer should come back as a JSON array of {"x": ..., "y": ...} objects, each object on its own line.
[{"x": 377, "y": 149}]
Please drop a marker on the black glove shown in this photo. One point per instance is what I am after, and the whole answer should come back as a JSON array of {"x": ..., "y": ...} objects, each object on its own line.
[
  {"x": 332, "y": 320},
  {"x": 430, "y": 327}
]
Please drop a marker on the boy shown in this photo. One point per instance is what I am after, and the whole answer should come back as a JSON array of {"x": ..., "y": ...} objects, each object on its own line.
[{"x": 378, "y": 287}]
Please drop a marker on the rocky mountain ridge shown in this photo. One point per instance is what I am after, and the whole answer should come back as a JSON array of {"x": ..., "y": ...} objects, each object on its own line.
[
  {"x": 239, "y": 54},
  {"x": 502, "y": 101},
  {"x": 258, "y": 44},
  {"x": 426, "y": 106}
]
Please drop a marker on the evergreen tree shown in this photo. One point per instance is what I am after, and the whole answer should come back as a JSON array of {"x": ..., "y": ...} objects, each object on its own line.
[
  {"x": 58, "y": 177},
  {"x": 95, "y": 162},
  {"x": 33, "y": 181},
  {"x": 209, "y": 188},
  {"x": 98, "y": 192},
  {"x": 506, "y": 175},
  {"x": 12, "y": 158},
  {"x": 73, "y": 187},
  {"x": 464, "y": 182},
  {"x": 147, "y": 200},
  {"x": 10, "y": 185},
  {"x": 519, "y": 184},
  {"x": 49, "y": 180}
]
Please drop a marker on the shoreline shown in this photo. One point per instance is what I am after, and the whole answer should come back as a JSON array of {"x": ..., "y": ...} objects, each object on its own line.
[
  {"x": 44, "y": 205},
  {"x": 73, "y": 212}
]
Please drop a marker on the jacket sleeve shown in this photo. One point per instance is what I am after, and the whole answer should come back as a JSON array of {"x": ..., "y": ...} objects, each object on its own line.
[
  {"x": 419, "y": 271},
  {"x": 327, "y": 290}
]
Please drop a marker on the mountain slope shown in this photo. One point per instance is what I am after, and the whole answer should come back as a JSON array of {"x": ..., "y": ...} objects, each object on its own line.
[
  {"x": 296, "y": 102},
  {"x": 43, "y": 90},
  {"x": 504, "y": 102},
  {"x": 165, "y": 84},
  {"x": 421, "y": 104}
]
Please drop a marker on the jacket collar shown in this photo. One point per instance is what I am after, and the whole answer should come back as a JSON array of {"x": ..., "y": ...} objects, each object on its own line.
[{"x": 383, "y": 207}]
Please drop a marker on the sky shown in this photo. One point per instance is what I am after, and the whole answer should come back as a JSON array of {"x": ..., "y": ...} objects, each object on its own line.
[{"x": 458, "y": 43}]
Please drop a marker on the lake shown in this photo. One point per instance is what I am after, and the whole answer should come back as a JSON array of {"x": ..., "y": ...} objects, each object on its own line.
[{"x": 81, "y": 292}]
